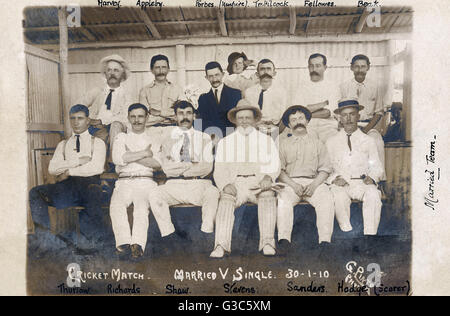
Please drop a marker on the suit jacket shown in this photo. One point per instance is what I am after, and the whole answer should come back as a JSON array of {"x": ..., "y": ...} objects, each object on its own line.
[{"x": 213, "y": 114}]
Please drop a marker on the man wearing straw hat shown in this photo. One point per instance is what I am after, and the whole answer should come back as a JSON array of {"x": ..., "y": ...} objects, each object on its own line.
[
  {"x": 246, "y": 167},
  {"x": 108, "y": 105},
  {"x": 305, "y": 165},
  {"x": 356, "y": 169}
]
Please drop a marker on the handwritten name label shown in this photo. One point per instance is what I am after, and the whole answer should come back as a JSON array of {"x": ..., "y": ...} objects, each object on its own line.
[
  {"x": 432, "y": 175},
  {"x": 105, "y": 4},
  {"x": 147, "y": 4},
  {"x": 317, "y": 3}
]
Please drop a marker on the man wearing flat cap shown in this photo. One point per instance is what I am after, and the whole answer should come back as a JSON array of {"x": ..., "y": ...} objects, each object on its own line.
[
  {"x": 246, "y": 167},
  {"x": 305, "y": 165},
  {"x": 356, "y": 169},
  {"x": 108, "y": 105}
]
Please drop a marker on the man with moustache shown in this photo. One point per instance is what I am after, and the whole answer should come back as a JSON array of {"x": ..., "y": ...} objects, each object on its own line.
[
  {"x": 369, "y": 93},
  {"x": 320, "y": 96},
  {"x": 305, "y": 165},
  {"x": 356, "y": 170},
  {"x": 135, "y": 162},
  {"x": 161, "y": 94},
  {"x": 246, "y": 167},
  {"x": 186, "y": 159},
  {"x": 214, "y": 105},
  {"x": 77, "y": 163},
  {"x": 270, "y": 98},
  {"x": 108, "y": 105}
]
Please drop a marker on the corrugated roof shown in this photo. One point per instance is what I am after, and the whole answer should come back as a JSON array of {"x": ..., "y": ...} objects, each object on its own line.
[{"x": 131, "y": 23}]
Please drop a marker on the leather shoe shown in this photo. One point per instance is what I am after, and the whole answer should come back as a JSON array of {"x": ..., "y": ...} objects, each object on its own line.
[
  {"x": 136, "y": 251},
  {"x": 283, "y": 247},
  {"x": 123, "y": 251}
]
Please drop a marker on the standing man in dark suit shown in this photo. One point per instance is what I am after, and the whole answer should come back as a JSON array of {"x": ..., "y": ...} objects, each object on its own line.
[{"x": 214, "y": 105}]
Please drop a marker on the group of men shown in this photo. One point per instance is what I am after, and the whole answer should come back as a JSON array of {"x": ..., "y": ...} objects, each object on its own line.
[{"x": 250, "y": 146}]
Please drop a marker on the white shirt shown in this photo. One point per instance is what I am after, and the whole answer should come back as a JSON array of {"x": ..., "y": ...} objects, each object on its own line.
[
  {"x": 274, "y": 102},
  {"x": 219, "y": 91},
  {"x": 368, "y": 94},
  {"x": 95, "y": 100},
  {"x": 239, "y": 154},
  {"x": 310, "y": 92},
  {"x": 132, "y": 142},
  {"x": 200, "y": 150},
  {"x": 66, "y": 157},
  {"x": 363, "y": 159}
]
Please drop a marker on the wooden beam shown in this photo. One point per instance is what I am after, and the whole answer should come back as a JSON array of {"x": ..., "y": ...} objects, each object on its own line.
[
  {"x": 333, "y": 62},
  {"x": 362, "y": 20},
  {"x": 64, "y": 70},
  {"x": 45, "y": 127},
  {"x": 181, "y": 65},
  {"x": 221, "y": 20},
  {"x": 407, "y": 94},
  {"x": 214, "y": 40},
  {"x": 149, "y": 23},
  {"x": 292, "y": 20},
  {"x": 41, "y": 53}
]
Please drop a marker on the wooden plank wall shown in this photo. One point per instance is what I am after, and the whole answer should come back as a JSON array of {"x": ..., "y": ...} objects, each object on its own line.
[{"x": 44, "y": 109}]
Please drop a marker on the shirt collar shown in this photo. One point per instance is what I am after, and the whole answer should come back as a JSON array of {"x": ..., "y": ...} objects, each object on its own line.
[
  {"x": 179, "y": 131},
  {"x": 219, "y": 88},
  {"x": 360, "y": 83},
  {"x": 153, "y": 83},
  {"x": 82, "y": 135},
  {"x": 108, "y": 88}
]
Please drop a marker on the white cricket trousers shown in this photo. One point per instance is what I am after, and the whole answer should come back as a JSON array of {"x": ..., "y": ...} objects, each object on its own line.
[
  {"x": 321, "y": 200},
  {"x": 371, "y": 209},
  {"x": 198, "y": 192},
  {"x": 136, "y": 192}
]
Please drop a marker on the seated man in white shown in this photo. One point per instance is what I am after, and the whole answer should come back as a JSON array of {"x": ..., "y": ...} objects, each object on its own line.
[
  {"x": 135, "y": 163},
  {"x": 356, "y": 170},
  {"x": 247, "y": 164},
  {"x": 186, "y": 159}
]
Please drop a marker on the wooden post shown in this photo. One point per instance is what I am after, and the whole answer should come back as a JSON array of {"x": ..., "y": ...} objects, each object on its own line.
[
  {"x": 390, "y": 75},
  {"x": 181, "y": 65},
  {"x": 407, "y": 94},
  {"x": 63, "y": 68}
]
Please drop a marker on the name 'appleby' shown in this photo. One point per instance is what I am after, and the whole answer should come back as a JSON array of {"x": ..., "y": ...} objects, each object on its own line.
[{"x": 238, "y": 275}]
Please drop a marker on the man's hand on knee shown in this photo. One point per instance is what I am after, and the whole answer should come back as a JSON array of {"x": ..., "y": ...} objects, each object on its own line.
[
  {"x": 230, "y": 189},
  {"x": 266, "y": 183}
]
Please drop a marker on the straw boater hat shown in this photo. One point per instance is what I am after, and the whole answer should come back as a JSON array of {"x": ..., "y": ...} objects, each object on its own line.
[
  {"x": 118, "y": 59},
  {"x": 241, "y": 106},
  {"x": 344, "y": 104},
  {"x": 233, "y": 56},
  {"x": 293, "y": 109}
]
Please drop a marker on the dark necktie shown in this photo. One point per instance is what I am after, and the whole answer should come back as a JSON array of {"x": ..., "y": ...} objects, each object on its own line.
[
  {"x": 78, "y": 143},
  {"x": 184, "y": 152},
  {"x": 215, "y": 94},
  {"x": 349, "y": 142},
  {"x": 108, "y": 99},
  {"x": 261, "y": 99}
]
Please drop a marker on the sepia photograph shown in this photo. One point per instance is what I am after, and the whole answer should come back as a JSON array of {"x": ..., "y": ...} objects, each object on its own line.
[{"x": 219, "y": 149}]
